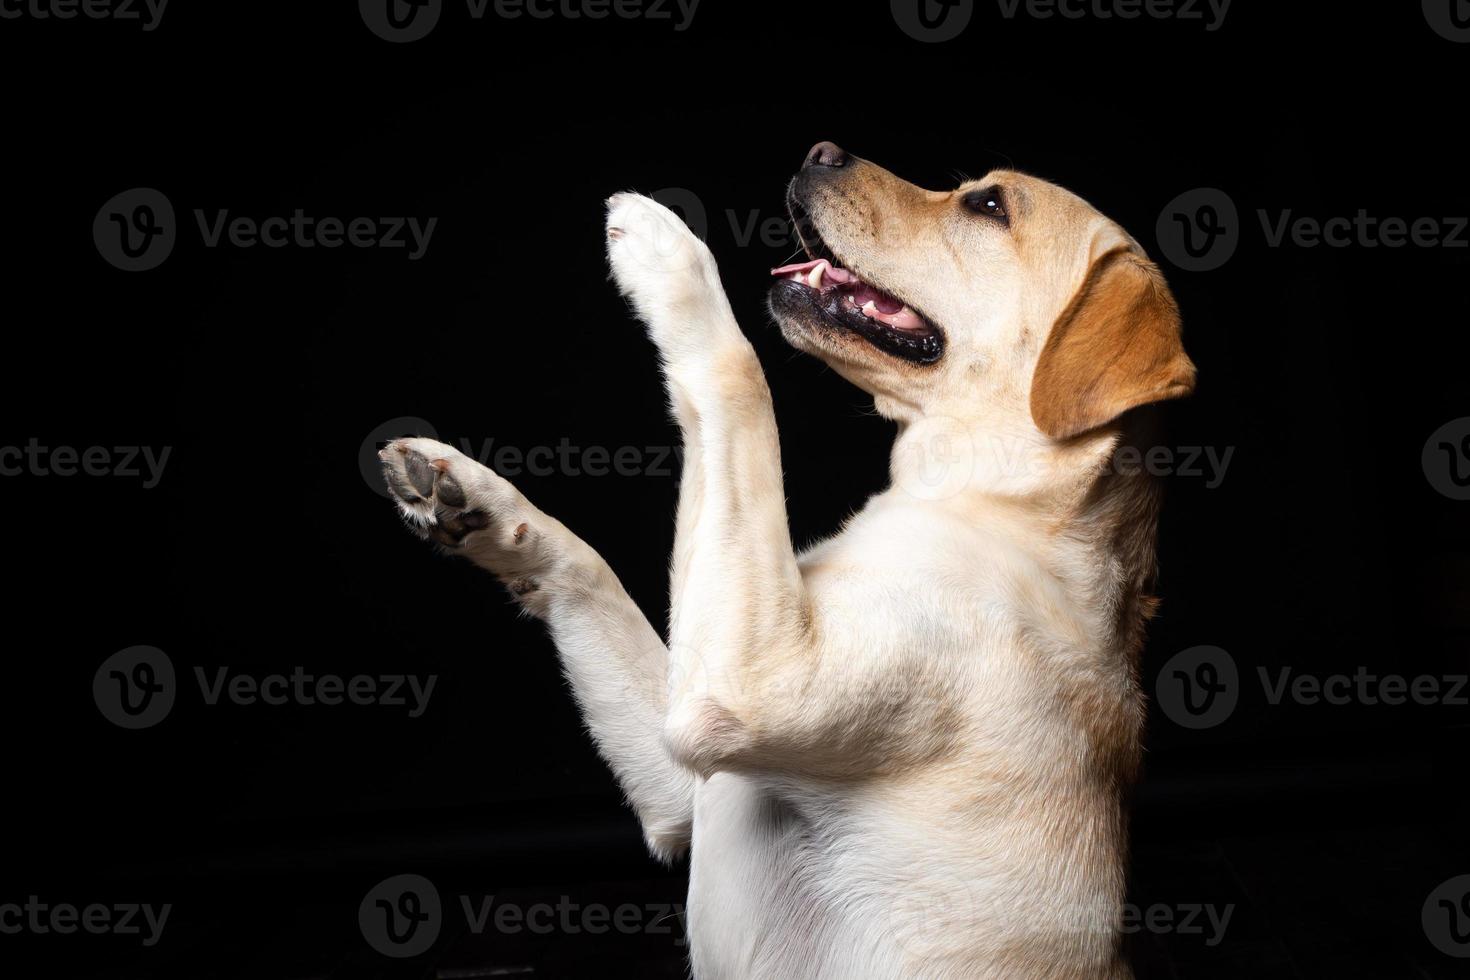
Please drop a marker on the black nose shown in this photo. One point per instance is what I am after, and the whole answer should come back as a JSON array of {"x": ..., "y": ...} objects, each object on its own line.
[{"x": 826, "y": 155}]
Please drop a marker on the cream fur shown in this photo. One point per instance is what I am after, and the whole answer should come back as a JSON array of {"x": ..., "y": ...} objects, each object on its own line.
[{"x": 902, "y": 753}]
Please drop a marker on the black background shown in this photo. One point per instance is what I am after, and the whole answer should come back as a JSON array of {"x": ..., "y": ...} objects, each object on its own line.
[{"x": 263, "y": 548}]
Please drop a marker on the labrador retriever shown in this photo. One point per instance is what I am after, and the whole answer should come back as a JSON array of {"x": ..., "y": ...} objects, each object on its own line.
[{"x": 904, "y": 752}]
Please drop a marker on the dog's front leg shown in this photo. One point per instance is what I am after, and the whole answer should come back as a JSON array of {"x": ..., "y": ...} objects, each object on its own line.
[
  {"x": 741, "y": 625},
  {"x": 615, "y": 661}
]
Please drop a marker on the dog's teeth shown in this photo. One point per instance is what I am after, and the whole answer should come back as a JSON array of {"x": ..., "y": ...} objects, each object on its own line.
[
  {"x": 815, "y": 279},
  {"x": 870, "y": 310}
]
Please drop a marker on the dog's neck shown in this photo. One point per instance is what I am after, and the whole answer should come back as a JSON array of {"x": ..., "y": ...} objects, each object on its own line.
[
  {"x": 1089, "y": 522},
  {"x": 999, "y": 459}
]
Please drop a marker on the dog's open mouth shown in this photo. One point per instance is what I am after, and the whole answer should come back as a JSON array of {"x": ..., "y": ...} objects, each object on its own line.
[{"x": 841, "y": 297}]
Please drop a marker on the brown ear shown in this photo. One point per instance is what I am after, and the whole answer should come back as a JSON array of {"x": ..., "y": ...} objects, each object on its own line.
[{"x": 1115, "y": 347}]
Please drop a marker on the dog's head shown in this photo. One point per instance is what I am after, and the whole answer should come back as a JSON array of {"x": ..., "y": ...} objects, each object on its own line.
[{"x": 1008, "y": 296}]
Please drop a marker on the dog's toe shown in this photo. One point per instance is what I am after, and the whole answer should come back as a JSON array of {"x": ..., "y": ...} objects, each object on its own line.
[
  {"x": 454, "y": 501},
  {"x": 420, "y": 474},
  {"x": 429, "y": 480}
]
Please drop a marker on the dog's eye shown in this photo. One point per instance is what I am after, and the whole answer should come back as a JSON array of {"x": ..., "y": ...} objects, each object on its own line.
[{"x": 989, "y": 203}]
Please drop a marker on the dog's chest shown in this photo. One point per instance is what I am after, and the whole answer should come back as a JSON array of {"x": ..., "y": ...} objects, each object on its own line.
[{"x": 772, "y": 881}]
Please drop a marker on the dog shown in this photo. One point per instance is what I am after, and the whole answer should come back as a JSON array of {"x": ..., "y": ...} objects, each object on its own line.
[{"x": 904, "y": 752}]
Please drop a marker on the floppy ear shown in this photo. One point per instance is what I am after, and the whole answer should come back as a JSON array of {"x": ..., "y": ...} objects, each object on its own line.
[{"x": 1115, "y": 347}]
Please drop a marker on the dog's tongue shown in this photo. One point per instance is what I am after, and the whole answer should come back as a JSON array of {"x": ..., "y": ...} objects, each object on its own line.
[
  {"x": 890, "y": 311},
  {"x": 885, "y": 304},
  {"x": 802, "y": 267},
  {"x": 873, "y": 302}
]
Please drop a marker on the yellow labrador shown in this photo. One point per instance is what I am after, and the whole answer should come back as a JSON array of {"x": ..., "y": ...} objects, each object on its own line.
[{"x": 903, "y": 752}]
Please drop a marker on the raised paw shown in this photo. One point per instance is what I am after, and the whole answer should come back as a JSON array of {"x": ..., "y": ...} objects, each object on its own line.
[
  {"x": 668, "y": 274},
  {"x": 448, "y": 498}
]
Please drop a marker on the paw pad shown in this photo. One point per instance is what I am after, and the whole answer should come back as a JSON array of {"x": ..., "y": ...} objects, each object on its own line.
[{"x": 432, "y": 498}]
